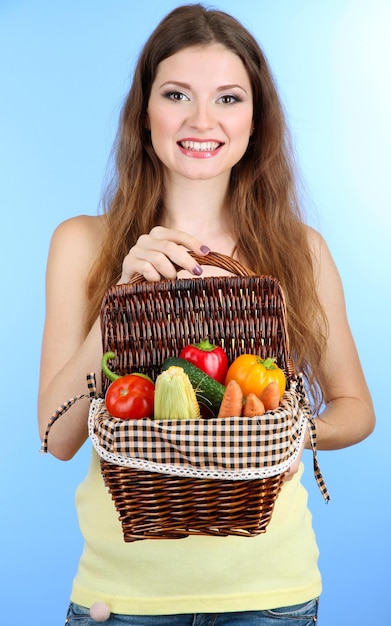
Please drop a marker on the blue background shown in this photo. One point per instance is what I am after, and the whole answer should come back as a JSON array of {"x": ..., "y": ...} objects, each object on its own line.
[{"x": 64, "y": 70}]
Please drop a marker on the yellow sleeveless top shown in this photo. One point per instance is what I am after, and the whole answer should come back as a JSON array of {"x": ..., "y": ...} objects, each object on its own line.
[{"x": 195, "y": 574}]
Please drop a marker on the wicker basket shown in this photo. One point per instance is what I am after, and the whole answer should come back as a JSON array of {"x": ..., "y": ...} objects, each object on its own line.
[
  {"x": 168, "y": 507},
  {"x": 229, "y": 483},
  {"x": 144, "y": 323}
]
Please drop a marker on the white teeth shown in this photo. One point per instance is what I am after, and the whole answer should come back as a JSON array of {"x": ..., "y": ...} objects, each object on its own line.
[{"x": 200, "y": 146}]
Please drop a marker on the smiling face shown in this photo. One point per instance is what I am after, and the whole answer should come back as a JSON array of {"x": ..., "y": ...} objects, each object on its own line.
[{"x": 200, "y": 112}]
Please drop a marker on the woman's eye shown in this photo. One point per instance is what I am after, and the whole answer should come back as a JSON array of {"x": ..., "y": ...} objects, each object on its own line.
[
  {"x": 175, "y": 95},
  {"x": 228, "y": 99}
]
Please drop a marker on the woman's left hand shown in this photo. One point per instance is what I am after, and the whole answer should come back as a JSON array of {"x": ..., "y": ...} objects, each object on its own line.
[{"x": 293, "y": 469}]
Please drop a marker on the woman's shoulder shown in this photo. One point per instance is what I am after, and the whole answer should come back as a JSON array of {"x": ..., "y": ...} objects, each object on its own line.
[
  {"x": 76, "y": 243},
  {"x": 325, "y": 270},
  {"x": 82, "y": 228},
  {"x": 317, "y": 245},
  {"x": 83, "y": 233},
  {"x": 315, "y": 239}
]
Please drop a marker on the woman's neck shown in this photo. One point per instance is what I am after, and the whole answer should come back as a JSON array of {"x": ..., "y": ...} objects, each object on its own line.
[{"x": 197, "y": 207}]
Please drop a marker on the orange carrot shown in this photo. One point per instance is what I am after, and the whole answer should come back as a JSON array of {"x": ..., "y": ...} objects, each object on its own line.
[
  {"x": 270, "y": 396},
  {"x": 232, "y": 402},
  {"x": 253, "y": 406}
]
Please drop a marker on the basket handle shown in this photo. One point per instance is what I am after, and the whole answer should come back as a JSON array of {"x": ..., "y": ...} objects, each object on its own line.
[{"x": 214, "y": 259}]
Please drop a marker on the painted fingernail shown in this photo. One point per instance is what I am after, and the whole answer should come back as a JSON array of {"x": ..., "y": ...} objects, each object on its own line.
[
  {"x": 197, "y": 270},
  {"x": 205, "y": 249}
]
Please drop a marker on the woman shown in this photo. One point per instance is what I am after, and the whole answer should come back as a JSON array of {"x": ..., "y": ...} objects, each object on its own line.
[{"x": 202, "y": 163}]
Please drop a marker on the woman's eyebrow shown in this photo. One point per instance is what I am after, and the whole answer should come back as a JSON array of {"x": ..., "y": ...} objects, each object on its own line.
[
  {"x": 233, "y": 86},
  {"x": 175, "y": 83},
  {"x": 182, "y": 85}
]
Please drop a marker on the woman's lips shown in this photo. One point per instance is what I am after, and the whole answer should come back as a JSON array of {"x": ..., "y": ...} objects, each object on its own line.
[{"x": 199, "y": 149}]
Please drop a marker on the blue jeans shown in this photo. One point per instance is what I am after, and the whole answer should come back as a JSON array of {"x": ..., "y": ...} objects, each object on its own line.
[{"x": 299, "y": 615}]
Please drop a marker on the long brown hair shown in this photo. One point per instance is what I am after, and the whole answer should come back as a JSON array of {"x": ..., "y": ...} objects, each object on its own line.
[{"x": 264, "y": 207}]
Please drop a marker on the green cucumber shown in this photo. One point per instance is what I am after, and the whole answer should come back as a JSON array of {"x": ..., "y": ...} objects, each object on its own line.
[{"x": 209, "y": 391}]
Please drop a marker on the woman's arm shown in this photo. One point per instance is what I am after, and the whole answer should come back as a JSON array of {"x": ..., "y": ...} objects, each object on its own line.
[
  {"x": 68, "y": 354},
  {"x": 349, "y": 415}
]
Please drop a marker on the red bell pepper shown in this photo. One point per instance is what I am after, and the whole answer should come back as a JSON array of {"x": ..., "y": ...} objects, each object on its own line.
[
  {"x": 208, "y": 357},
  {"x": 130, "y": 396}
]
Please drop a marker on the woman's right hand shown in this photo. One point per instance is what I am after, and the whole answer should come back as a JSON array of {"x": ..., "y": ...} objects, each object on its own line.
[{"x": 160, "y": 253}]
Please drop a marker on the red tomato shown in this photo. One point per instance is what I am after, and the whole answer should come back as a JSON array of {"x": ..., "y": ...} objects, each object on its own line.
[
  {"x": 207, "y": 357},
  {"x": 130, "y": 397}
]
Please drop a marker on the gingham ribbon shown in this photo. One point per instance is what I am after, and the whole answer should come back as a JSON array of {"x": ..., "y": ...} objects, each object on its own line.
[
  {"x": 63, "y": 408},
  {"x": 317, "y": 473}
]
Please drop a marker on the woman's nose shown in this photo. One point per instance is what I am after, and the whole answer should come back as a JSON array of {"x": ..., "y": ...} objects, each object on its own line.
[{"x": 202, "y": 116}]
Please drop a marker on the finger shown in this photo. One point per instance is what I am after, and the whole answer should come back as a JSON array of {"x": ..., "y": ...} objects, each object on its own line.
[
  {"x": 155, "y": 265},
  {"x": 152, "y": 265},
  {"x": 293, "y": 469},
  {"x": 173, "y": 257},
  {"x": 161, "y": 253},
  {"x": 170, "y": 253},
  {"x": 288, "y": 476},
  {"x": 181, "y": 238}
]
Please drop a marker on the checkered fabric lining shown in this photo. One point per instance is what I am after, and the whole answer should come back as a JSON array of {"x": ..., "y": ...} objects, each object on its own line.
[{"x": 234, "y": 448}]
